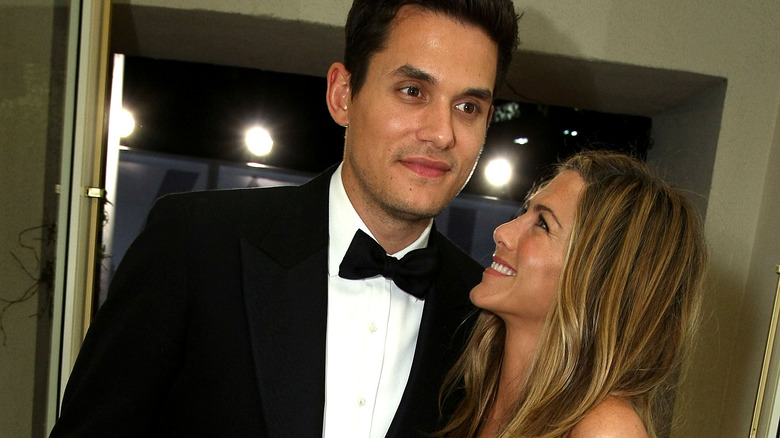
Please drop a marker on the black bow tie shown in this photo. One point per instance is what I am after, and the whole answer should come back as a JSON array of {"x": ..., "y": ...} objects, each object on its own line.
[{"x": 366, "y": 258}]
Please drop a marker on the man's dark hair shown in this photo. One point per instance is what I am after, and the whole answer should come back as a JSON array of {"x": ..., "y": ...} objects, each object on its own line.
[{"x": 369, "y": 24}]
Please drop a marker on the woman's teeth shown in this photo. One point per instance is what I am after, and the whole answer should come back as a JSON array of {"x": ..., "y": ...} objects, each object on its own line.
[{"x": 503, "y": 269}]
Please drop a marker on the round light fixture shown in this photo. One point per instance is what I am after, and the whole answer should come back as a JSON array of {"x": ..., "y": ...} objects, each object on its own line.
[
  {"x": 124, "y": 123},
  {"x": 259, "y": 141},
  {"x": 498, "y": 172}
]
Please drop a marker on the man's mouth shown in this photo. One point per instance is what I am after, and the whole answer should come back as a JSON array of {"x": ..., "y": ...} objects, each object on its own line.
[{"x": 426, "y": 167}]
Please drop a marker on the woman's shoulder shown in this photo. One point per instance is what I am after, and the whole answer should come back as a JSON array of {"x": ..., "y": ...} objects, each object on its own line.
[{"x": 614, "y": 417}]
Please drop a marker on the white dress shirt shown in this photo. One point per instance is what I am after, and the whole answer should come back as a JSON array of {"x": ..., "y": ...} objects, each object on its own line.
[{"x": 371, "y": 334}]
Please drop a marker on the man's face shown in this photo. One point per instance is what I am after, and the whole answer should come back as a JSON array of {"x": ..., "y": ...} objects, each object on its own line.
[{"x": 417, "y": 126}]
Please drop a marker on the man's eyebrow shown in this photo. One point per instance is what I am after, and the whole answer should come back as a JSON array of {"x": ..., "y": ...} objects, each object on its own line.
[
  {"x": 480, "y": 93},
  {"x": 412, "y": 72}
]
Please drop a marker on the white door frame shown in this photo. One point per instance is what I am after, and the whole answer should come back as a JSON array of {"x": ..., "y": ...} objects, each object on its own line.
[{"x": 80, "y": 189}]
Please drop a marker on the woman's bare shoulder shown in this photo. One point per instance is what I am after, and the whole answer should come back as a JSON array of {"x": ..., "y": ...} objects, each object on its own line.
[{"x": 614, "y": 417}]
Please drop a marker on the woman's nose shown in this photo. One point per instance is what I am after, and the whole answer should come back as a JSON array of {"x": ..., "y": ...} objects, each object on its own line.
[{"x": 506, "y": 233}]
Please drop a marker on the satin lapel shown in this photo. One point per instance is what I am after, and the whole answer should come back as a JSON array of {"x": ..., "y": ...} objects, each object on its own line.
[
  {"x": 444, "y": 326},
  {"x": 285, "y": 290}
]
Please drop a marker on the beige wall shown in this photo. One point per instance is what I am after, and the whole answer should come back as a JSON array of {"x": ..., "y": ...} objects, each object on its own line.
[
  {"x": 25, "y": 59},
  {"x": 757, "y": 299}
]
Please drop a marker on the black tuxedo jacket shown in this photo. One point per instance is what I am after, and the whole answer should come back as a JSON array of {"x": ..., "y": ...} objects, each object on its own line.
[{"x": 215, "y": 324}]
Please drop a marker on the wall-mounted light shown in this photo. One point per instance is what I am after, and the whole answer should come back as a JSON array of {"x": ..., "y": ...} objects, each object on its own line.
[
  {"x": 259, "y": 141},
  {"x": 498, "y": 172},
  {"x": 124, "y": 123}
]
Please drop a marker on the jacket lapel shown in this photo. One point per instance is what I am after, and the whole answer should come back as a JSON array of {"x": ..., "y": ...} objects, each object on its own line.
[
  {"x": 445, "y": 324},
  {"x": 285, "y": 292}
]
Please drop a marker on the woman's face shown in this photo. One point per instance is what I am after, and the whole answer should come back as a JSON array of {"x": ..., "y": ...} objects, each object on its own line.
[{"x": 521, "y": 283}]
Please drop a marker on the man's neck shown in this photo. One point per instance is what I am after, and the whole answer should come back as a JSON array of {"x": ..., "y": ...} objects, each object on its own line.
[
  {"x": 393, "y": 231},
  {"x": 394, "y": 235}
]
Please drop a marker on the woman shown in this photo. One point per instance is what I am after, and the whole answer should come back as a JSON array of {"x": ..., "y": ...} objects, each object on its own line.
[{"x": 588, "y": 308}]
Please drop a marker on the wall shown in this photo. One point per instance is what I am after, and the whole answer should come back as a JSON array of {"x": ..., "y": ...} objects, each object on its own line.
[
  {"x": 25, "y": 60},
  {"x": 751, "y": 336}
]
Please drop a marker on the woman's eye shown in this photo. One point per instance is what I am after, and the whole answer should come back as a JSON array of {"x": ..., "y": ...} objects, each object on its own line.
[
  {"x": 411, "y": 91},
  {"x": 542, "y": 223}
]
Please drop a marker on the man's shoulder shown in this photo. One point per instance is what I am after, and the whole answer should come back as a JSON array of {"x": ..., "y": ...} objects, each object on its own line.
[
  {"x": 221, "y": 196},
  {"x": 239, "y": 198},
  {"x": 231, "y": 210}
]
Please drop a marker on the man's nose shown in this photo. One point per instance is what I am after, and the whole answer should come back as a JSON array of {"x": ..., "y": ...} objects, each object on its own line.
[{"x": 436, "y": 126}]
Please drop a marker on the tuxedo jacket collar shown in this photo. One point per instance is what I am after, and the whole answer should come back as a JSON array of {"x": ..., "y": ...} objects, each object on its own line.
[{"x": 285, "y": 290}]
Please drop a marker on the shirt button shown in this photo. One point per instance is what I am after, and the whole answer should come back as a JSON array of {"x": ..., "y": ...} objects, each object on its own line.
[
  {"x": 361, "y": 401},
  {"x": 372, "y": 327}
]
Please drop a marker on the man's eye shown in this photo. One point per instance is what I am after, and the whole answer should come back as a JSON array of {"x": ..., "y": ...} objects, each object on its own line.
[
  {"x": 411, "y": 91},
  {"x": 467, "y": 107}
]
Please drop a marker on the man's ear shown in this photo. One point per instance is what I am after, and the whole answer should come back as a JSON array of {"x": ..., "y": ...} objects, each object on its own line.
[{"x": 339, "y": 97}]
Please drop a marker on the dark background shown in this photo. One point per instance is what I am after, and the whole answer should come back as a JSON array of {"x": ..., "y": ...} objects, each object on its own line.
[{"x": 203, "y": 110}]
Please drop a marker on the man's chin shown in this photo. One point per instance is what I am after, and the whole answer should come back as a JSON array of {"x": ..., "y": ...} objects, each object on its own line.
[{"x": 418, "y": 212}]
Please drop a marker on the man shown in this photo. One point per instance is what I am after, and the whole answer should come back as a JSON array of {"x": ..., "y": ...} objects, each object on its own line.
[{"x": 237, "y": 313}]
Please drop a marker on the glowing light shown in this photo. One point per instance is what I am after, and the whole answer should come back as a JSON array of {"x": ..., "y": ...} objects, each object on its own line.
[
  {"x": 255, "y": 165},
  {"x": 124, "y": 123},
  {"x": 521, "y": 140},
  {"x": 259, "y": 141},
  {"x": 566, "y": 132},
  {"x": 498, "y": 172},
  {"x": 574, "y": 133}
]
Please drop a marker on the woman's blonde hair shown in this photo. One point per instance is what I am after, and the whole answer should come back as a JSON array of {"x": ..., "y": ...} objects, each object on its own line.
[{"x": 625, "y": 315}]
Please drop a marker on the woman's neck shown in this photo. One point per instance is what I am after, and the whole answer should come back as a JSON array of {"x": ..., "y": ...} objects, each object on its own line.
[{"x": 519, "y": 349}]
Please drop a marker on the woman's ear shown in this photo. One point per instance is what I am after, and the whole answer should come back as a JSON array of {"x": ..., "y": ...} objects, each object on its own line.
[{"x": 338, "y": 97}]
